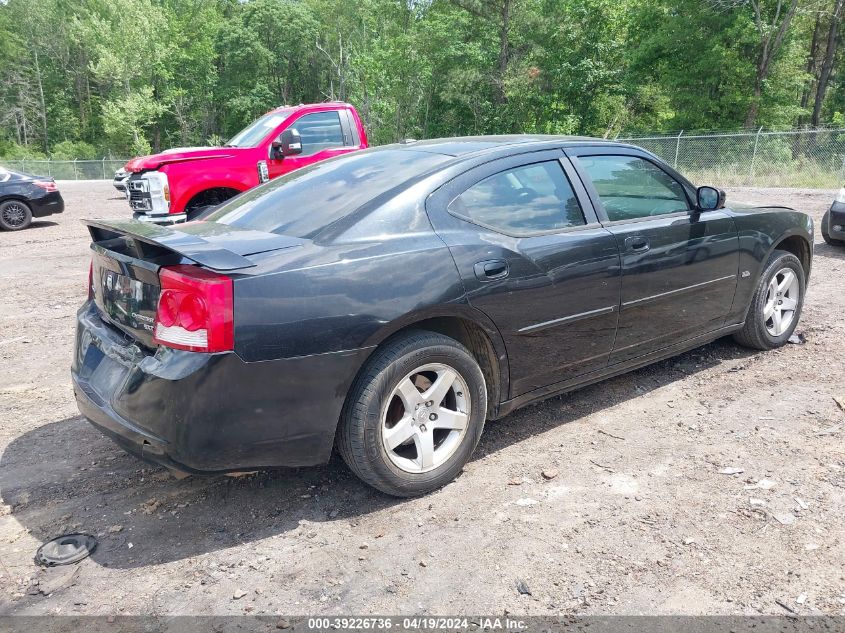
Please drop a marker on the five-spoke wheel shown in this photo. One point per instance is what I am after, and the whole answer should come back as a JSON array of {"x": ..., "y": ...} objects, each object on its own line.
[
  {"x": 425, "y": 418},
  {"x": 776, "y": 304},
  {"x": 782, "y": 298},
  {"x": 414, "y": 415}
]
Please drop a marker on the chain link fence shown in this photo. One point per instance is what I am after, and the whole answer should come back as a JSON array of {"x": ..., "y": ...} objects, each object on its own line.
[
  {"x": 799, "y": 158},
  {"x": 102, "y": 169}
]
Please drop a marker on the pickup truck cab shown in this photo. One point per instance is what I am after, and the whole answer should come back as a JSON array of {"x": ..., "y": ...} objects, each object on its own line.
[{"x": 179, "y": 184}]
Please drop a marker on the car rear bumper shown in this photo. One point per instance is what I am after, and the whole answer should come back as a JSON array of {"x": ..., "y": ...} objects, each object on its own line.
[
  {"x": 47, "y": 204},
  {"x": 837, "y": 218},
  {"x": 209, "y": 412}
]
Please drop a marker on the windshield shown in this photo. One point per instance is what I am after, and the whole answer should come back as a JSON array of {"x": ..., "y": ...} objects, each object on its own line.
[
  {"x": 305, "y": 201},
  {"x": 253, "y": 133}
]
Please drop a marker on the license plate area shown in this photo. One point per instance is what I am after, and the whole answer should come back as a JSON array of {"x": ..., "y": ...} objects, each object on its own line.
[{"x": 126, "y": 295}]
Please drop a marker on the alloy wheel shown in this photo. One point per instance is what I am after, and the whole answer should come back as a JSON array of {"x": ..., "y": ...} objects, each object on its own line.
[
  {"x": 781, "y": 301},
  {"x": 14, "y": 215},
  {"x": 425, "y": 418}
]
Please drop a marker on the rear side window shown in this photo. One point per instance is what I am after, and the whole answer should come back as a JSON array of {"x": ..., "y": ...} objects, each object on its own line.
[
  {"x": 307, "y": 200},
  {"x": 525, "y": 200},
  {"x": 319, "y": 131},
  {"x": 631, "y": 187}
]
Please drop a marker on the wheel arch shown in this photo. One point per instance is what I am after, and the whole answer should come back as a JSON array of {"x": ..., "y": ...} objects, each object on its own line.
[
  {"x": 474, "y": 330},
  {"x": 15, "y": 196},
  {"x": 799, "y": 245},
  {"x": 199, "y": 195}
]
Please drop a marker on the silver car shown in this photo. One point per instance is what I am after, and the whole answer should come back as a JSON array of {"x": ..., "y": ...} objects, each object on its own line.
[{"x": 119, "y": 181}]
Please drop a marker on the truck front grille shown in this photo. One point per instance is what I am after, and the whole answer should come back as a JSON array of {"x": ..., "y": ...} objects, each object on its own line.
[{"x": 139, "y": 197}]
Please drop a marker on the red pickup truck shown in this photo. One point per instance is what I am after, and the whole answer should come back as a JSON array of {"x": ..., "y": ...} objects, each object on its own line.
[{"x": 179, "y": 184}]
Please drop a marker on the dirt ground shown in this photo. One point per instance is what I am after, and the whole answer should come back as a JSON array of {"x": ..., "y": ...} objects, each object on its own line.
[{"x": 637, "y": 520}]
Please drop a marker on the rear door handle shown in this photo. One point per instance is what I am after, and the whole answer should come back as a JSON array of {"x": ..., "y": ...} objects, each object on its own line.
[
  {"x": 491, "y": 269},
  {"x": 637, "y": 244}
]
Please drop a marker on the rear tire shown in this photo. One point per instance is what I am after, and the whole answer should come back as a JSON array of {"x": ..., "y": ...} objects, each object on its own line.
[
  {"x": 414, "y": 415},
  {"x": 15, "y": 215},
  {"x": 826, "y": 231},
  {"x": 776, "y": 304}
]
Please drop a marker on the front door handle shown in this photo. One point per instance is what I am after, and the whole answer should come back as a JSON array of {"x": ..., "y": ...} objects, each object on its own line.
[
  {"x": 637, "y": 244},
  {"x": 491, "y": 269}
]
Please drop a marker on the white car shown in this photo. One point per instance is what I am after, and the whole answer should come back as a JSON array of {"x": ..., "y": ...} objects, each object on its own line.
[{"x": 119, "y": 181}]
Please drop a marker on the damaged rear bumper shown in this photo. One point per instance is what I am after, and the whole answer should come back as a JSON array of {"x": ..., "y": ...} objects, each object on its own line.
[{"x": 205, "y": 413}]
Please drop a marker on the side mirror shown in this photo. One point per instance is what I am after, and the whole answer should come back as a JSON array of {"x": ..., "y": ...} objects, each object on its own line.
[
  {"x": 709, "y": 199},
  {"x": 289, "y": 144}
]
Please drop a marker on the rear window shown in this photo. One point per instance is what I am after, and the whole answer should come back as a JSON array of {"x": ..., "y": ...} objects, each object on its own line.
[{"x": 304, "y": 202}]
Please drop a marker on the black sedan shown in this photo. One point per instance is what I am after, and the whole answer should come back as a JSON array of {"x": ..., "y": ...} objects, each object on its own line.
[
  {"x": 23, "y": 197},
  {"x": 389, "y": 302}
]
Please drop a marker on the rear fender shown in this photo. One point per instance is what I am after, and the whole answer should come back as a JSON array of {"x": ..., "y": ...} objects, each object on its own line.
[
  {"x": 760, "y": 233},
  {"x": 459, "y": 312}
]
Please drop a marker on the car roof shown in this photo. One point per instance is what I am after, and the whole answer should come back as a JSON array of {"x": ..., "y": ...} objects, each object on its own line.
[
  {"x": 312, "y": 107},
  {"x": 7, "y": 175},
  {"x": 464, "y": 146}
]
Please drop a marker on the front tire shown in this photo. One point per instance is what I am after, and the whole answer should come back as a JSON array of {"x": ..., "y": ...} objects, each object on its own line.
[
  {"x": 414, "y": 415},
  {"x": 15, "y": 215},
  {"x": 776, "y": 304}
]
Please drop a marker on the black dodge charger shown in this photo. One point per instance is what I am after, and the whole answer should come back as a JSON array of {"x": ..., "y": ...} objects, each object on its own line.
[
  {"x": 23, "y": 197},
  {"x": 391, "y": 301}
]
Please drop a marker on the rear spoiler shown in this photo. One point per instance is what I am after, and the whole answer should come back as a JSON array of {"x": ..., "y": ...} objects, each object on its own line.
[{"x": 199, "y": 245}]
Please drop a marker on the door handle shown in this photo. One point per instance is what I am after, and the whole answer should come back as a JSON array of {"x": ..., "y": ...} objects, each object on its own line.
[
  {"x": 637, "y": 244},
  {"x": 491, "y": 269}
]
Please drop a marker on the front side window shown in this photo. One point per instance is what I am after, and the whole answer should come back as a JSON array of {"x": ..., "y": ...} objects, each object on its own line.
[
  {"x": 522, "y": 201},
  {"x": 631, "y": 187},
  {"x": 319, "y": 131}
]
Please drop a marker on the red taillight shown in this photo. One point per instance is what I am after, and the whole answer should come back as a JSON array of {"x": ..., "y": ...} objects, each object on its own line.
[
  {"x": 195, "y": 310},
  {"x": 46, "y": 185}
]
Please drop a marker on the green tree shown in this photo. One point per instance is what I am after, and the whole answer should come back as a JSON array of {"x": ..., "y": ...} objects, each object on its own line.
[{"x": 132, "y": 76}]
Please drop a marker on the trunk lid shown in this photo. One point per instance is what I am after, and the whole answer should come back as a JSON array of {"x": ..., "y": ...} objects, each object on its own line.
[
  {"x": 127, "y": 257},
  {"x": 126, "y": 292}
]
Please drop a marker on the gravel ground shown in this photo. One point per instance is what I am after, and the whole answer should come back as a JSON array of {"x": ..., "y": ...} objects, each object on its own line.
[{"x": 636, "y": 517}]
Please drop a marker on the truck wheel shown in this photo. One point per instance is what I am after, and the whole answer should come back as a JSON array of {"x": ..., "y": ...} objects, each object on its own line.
[
  {"x": 776, "y": 304},
  {"x": 826, "y": 231},
  {"x": 207, "y": 200},
  {"x": 414, "y": 415},
  {"x": 14, "y": 215}
]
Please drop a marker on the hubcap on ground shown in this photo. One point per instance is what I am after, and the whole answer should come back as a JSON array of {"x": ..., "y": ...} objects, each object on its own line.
[
  {"x": 781, "y": 301},
  {"x": 425, "y": 418},
  {"x": 14, "y": 215}
]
